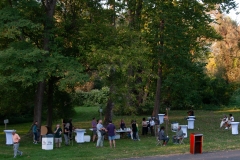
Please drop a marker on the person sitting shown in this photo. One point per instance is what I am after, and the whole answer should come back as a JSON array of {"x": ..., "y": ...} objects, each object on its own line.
[
  {"x": 161, "y": 136},
  {"x": 223, "y": 120},
  {"x": 179, "y": 135},
  {"x": 231, "y": 119}
]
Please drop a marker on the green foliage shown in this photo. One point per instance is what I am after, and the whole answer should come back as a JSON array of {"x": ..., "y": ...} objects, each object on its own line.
[
  {"x": 93, "y": 98},
  {"x": 62, "y": 105},
  {"x": 16, "y": 104}
]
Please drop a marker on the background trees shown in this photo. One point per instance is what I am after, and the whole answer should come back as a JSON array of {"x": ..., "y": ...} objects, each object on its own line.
[{"x": 148, "y": 53}]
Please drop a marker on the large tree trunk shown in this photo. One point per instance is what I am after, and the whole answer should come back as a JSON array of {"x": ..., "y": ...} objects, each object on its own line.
[
  {"x": 49, "y": 6},
  {"x": 109, "y": 108},
  {"x": 159, "y": 81},
  {"x": 158, "y": 93},
  {"x": 50, "y": 104},
  {"x": 38, "y": 103}
]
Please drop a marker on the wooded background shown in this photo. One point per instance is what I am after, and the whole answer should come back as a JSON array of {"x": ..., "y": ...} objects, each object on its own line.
[{"x": 125, "y": 56}]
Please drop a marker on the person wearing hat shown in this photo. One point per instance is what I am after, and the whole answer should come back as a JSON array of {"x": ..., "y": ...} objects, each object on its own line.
[{"x": 16, "y": 140}]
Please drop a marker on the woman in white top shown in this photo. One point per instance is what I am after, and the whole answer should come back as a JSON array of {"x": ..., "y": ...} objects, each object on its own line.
[
  {"x": 231, "y": 119},
  {"x": 224, "y": 120}
]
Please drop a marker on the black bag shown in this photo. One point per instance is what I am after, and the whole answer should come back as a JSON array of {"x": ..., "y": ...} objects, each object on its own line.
[{"x": 103, "y": 132}]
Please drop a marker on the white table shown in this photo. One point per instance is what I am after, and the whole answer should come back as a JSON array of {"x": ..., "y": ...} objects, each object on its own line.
[
  {"x": 190, "y": 123},
  {"x": 80, "y": 135},
  {"x": 234, "y": 127},
  {"x": 47, "y": 142},
  {"x": 9, "y": 140},
  {"x": 184, "y": 129},
  {"x": 123, "y": 131},
  {"x": 161, "y": 118}
]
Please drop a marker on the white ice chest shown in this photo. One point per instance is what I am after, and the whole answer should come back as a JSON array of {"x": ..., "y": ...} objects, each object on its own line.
[
  {"x": 47, "y": 142},
  {"x": 234, "y": 127}
]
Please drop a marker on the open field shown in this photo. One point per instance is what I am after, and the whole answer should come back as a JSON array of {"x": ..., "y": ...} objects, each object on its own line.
[{"x": 207, "y": 123}]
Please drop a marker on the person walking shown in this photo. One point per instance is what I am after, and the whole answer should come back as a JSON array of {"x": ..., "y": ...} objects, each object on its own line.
[
  {"x": 66, "y": 134},
  {"x": 100, "y": 136},
  {"x": 34, "y": 130},
  {"x": 16, "y": 139},
  {"x": 58, "y": 136},
  {"x": 111, "y": 129}
]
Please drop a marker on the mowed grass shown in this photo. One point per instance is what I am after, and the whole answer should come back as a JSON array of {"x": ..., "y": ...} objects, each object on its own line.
[{"x": 207, "y": 123}]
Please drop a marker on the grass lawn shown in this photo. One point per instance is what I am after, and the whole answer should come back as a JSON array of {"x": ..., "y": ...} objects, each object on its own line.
[{"x": 207, "y": 123}]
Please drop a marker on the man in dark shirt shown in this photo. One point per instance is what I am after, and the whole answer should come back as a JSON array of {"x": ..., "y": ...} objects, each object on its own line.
[
  {"x": 70, "y": 129},
  {"x": 111, "y": 129},
  {"x": 134, "y": 130}
]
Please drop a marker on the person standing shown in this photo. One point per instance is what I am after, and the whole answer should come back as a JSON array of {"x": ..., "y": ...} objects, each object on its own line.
[
  {"x": 137, "y": 135},
  {"x": 156, "y": 120},
  {"x": 34, "y": 130},
  {"x": 58, "y": 136},
  {"x": 100, "y": 136},
  {"x": 122, "y": 126},
  {"x": 144, "y": 126},
  {"x": 152, "y": 124},
  {"x": 179, "y": 135},
  {"x": 94, "y": 127},
  {"x": 134, "y": 130},
  {"x": 70, "y": 128},
  {"x": 66, "y": 134},
  {"x": 111, "y": 129},
  {"x": 16, "y": 140}
]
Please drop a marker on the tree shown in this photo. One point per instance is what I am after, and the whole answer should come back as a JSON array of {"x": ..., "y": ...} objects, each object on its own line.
[
  {"x": 177, "y": 31},
  {"x": 41, "y": 60}
]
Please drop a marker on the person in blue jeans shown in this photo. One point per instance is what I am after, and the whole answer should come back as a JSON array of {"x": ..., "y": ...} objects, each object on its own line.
[
  {"x": 34, "y": 130},
  {"x": 111, "y": 129},
  {"x": 100, "y": 136}
]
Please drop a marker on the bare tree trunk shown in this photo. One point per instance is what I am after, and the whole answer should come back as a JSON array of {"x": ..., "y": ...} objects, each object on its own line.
[
  {"x": 38, "y": 103},
  {"x": 50, "y": 104},
  {"x": 109, "y": 108},
  {"x": 159, "y": 81},
  {"x": 158, "y": 93},
  {"x": 49, "y": 6}
]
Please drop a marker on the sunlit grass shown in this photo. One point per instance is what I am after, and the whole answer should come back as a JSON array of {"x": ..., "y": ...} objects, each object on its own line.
[{"x": 207, "y": 123}]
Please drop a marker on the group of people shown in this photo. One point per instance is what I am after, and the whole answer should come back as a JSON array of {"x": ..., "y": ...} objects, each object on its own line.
[
  {"x": 226, "y": 121},
  {"x": 67, "y": 133},
  {"x": 152, "y": 124},
  {"x": 100, "y": 131},
  {"x": 176, "y": 138}
]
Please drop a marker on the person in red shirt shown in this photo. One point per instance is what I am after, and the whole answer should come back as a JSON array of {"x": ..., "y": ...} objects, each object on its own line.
[{"x": 16, "y": 140}]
